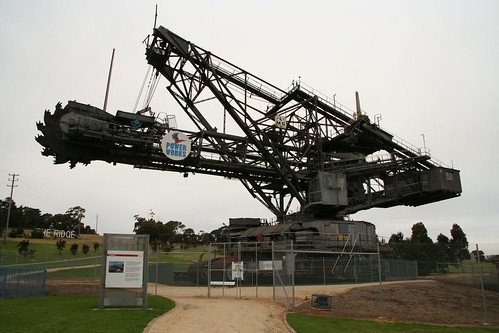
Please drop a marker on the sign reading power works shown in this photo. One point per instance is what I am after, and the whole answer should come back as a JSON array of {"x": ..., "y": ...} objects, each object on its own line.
[{"x": 176, "y": 145}]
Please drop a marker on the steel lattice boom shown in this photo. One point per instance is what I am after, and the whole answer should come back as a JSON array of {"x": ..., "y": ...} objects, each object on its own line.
[{"x": 284, "y": 146}]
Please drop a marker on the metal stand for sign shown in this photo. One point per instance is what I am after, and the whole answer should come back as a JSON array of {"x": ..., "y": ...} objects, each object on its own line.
[{"x": 124, "y": 271}]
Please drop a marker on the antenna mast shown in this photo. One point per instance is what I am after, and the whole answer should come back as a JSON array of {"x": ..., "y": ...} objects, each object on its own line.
[
  {"x": 155, "y": 16},
  {"x": 108, "y": 81}
]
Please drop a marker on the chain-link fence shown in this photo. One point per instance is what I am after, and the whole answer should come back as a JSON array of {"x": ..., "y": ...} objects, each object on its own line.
[
  {"x": 179, "y": 268},
  {"x": 278, "y": 270},
  {"x": 261, "y": 268}
]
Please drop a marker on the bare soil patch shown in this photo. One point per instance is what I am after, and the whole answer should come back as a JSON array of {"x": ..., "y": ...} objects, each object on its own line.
[
  {"x": 433, "y": 302},
  {"x": 71, "y": 287}
]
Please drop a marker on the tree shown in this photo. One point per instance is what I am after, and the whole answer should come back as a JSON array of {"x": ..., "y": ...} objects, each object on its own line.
[
  {"x": 61, "y": 222},
  {"x": 162, "y": 236},
  {"x": 220, "y": 235},
  {"x": 205, "y": 237},
  {"x": 419, "y": 247},
  {"x": 442, "y": 239},
  {"x": 480, "y": 256},
  {"x": 189, "y": 238},
  {"x": 400, "y": 245},
  {"x": 420, "y": 234},
  {"x": 30, "y": 218},
  {"x": 60, "y": 244},
  {"x": 149, "y": 227},
  {"x": 77, "y": 213},
  {"x": 443, "y": 248},
  {"x": 85, "y": 248},
  {"x": 88, "y": 230},
  {"x": 37, "y": 233},
  {"x": 15, "y": 214},
  {"x": 396, "y": 238},
  {"x": 459, "y": 243},
  {"x": 46, "y": 220},
  {"x": 443, "y": 253}
]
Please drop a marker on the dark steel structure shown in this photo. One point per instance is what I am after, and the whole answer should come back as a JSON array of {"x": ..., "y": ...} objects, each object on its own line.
[{"x": 285, "y": 145}]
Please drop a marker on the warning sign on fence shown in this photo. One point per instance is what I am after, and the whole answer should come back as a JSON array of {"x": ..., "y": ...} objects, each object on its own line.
[{"x": 237, "y": 270}]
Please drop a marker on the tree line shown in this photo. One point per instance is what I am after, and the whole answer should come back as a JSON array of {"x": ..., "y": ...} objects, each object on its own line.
[
  {"x": 24, "y": 217},
  {"x": 428, "y": 254},
  {"x": 164, "y": 235}
]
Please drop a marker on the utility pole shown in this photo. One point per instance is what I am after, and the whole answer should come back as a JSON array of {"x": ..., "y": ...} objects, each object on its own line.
[{"x": 12, "y": 185}]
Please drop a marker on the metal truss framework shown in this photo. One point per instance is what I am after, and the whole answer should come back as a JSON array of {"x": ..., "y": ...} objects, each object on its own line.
[{"x": 276, "y": 142}]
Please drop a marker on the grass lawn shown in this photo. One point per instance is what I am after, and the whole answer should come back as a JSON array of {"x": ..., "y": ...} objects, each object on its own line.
[
  {"x": 321, "y": 324},
  {"x": 76, "y": 314},
  {"x": 46, "y": 251}
]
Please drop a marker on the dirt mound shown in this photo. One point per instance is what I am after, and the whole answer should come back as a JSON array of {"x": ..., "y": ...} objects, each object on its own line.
[{"x": 426, "y": 302}]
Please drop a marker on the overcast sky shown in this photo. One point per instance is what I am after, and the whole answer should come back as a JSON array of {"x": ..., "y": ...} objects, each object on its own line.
[{"x": 430, "y": 68}]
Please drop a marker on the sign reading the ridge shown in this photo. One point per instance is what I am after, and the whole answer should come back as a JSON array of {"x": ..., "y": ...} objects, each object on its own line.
[{"x": 176, "y": 145}]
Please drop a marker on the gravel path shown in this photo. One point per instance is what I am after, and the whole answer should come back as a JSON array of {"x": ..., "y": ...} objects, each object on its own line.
[{"x": 226, "y": 311}]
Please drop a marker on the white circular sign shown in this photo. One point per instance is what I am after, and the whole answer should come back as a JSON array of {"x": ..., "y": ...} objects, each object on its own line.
[{"x": 176, "y": 145}]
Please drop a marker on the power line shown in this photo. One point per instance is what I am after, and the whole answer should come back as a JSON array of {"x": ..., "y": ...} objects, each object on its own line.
[
  {"x": 33, "y": 191},
  {"x": 12, "y": 185}
]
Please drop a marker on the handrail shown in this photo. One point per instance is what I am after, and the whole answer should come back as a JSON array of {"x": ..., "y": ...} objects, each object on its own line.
[
  {"x": 399, "y": 141},
  {"x": 249, "y": 81},
  {"x": 325, "y": 99}
]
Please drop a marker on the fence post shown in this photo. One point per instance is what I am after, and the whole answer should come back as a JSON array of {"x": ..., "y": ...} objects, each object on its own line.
[
  {"x": 256, "y": 268},
  {"x": 157, "y": 269},
  {"x": 485, "y": 316},
  {"x": 209, "y": 270},
  {"x": 273, "y": 272},
  {"x": 224, "y": 270},
  {"x": 293, "y": 277},
  {"x": 324, "y": 270},
  {"x": 95, "y": 275},
  {"x": 382, "y": 304}
]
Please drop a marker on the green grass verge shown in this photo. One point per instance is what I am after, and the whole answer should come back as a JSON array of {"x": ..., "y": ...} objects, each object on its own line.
[
  {"x": 47, "y": 255},
  {"x": 320, "y": 324},
  {"x": 45, "y": 251},
  {"x": 76, "y": 314}
]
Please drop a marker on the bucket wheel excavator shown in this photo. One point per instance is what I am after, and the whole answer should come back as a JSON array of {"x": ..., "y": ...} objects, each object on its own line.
[{"x": 288, "y": 147}]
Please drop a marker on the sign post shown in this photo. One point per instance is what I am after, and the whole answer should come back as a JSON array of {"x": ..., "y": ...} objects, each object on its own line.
[{"x": 124, "y": 271}]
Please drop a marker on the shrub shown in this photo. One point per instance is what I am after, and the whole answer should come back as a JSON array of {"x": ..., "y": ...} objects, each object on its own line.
[
  {"x": 74, "y": 248},
  {"x": 96, "y": 247},
  {"x": 85, "y": 248},
  {"x": 37, "y": 233},
  {"x": 61, "y": 244},
  {"x": 23, "y": 247}
]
